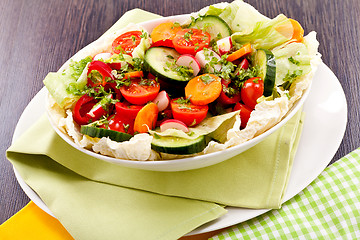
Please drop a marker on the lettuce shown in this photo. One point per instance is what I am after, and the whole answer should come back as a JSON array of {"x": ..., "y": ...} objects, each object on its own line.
[
  {"x": 266, "y": 33},
  {"x": 59, "y": 84},
  {"x": 139, "y": 51},
  {"x": 292, "y": 61},
  {"x": 240, "y": 16}
]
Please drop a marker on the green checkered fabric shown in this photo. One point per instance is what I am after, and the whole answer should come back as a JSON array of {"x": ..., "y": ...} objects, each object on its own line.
[{"x": 329, "y": 208}]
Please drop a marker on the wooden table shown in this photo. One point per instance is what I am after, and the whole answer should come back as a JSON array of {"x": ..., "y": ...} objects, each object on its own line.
[{"x": 39, "y": 36}]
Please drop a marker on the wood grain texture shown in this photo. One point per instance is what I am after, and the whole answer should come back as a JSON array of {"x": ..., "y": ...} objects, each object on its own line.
[{"x": 39, "y": 36}]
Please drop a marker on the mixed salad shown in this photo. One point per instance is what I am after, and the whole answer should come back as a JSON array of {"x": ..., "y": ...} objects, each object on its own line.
[{"x": 218, "y": 79}]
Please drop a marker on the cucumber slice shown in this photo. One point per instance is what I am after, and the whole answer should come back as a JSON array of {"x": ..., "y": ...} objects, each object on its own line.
[
  {"x": 157, "y": 61},
  {"x": 266, "y": 63},
  {"x": 214, "y": 25},
  {"x": 102, "y": 132},
  {"x": 180, "y": 146}
]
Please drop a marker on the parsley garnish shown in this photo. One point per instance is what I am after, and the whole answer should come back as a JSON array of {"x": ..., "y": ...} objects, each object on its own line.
[
  {"x": 294, "y": 61},
  {"x": 207, "y": 79},
  {"x": 144, "y": 34},
  {"x": 289, "y": 77},
  {"x": 182, "y": 101}
]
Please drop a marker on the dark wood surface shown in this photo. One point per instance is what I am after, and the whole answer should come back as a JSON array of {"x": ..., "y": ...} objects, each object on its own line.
[{"x": 39, "y": 36}]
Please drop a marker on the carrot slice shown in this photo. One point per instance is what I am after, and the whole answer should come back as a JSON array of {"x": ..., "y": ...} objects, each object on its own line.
[
  {"x": 166, "y": 30},
  {"x": 146, "y": 118},
  {"x": 298, "y": 32},
  {"x": 291, "y": 30},
  {"x": 136, "y": 74},
  {"x": 203, "y": 89},
  {"x": 246, "y": 49}
]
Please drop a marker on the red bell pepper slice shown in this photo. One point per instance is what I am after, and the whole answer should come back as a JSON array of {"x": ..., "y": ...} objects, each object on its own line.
[
  {"x": 82, "y": 107},
  {"x": 88, "y": 109},
  {"x": 245, "y": 113},
  {"x": 103, "y": 69}
]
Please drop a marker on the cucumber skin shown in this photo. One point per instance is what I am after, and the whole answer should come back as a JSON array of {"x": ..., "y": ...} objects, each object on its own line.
[
  {"x": 102, "y": 132},
  {"x": 270, "y": 75},
  {"x": 195, "y": 147}
]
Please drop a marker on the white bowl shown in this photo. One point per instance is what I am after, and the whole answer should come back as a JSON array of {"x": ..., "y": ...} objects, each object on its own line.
[{"x": 187, "y": 163}]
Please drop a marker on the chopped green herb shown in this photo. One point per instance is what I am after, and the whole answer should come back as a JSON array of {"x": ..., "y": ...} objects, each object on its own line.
[
  {"x": 144, "y": 34},
  {"x": 292, "y": 76},
  {"x": 207, "y": 79},
  {"x": 175, "y": 25},
  {"x": 294, "y": 61},
  {"x": 133, "y": 38},
  {"x": 95, "y": 76},
  {"x": 182, "y": 101},
  {"x": 156, "y": 136}
]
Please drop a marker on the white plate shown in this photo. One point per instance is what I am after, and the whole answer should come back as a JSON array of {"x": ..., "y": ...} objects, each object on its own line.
[{"x": 324, "y": 127}]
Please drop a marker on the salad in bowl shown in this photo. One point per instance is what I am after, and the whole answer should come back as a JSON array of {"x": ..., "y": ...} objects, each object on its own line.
[{"x": 206, "y": 85}]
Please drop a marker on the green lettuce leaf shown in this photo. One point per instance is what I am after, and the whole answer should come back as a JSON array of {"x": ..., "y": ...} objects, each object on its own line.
[
  {"x": 292, "y": 61},
  {"x": 139, "y": 51},
  {"x": 265, "y": 34},
  {"x": 59, "y": 84}
]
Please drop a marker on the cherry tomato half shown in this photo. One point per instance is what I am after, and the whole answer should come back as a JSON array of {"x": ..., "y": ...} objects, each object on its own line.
[
  {"x": 191, "y": 40},
  {"x": 127, "y": 110},
  {"x": 120, "y": 124},
  {"x": 188, "y": 113},
  {"x": 252, "y": 89},
  {"x": 140, "y": 91},
  {"x": 245, "y": 112},
  {"x": 126, "y": 42},
  {"x": 228, "y": 94},
  {"x": 97, "y": 73}
]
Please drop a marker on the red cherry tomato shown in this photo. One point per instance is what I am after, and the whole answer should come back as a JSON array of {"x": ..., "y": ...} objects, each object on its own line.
[
  {"x": 188, "y": 113},
  {"x": 228, "y": 95},
  {"x": 244, "y": 113},
  {"x": 190, "y": 41},
  {"x": 140, "y": 91},
  {"x": 252, "y": 89},
  {"x": 127, "y": 110},
  {"x": 100, "y": 71},
  {"x": 126, "y": 42},
  {"x": 120, "y": 124},
  {"x": 82, "y": 107}
]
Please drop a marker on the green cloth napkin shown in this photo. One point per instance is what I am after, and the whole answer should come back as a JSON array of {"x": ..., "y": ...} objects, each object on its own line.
[
  {"x": 329, "y": 208},
  {"x": 260, "y": 173},
  {"x": 91, "y": 209},
  {"x": 94, "y": 199}
]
